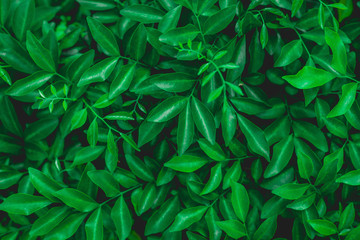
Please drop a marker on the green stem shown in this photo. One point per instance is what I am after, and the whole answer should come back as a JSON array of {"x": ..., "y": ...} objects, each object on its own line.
[
  {"x": 303, "y": 43},
  {"x": 201, "y": 32},
  {"x": 98, "y": 116},
  {"x": 120, "y": 194}
]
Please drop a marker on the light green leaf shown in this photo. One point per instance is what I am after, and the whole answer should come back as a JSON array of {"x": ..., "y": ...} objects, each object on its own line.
[
  {"x": 187, "y": 217},
  {"x": 142, "y": 13},
  {"x": 185, "y": 131},
  {"x": 76, "y": 199},
  {"x": 23, "y": 204},
  {"x": 45, "y": 185},
  {"x": 351, "y": 178},
  {"x": 186, "y": 163},
  {"x": 122, "y": 81},
  {"x": 214, "y": 180},
  {"x": 309, "y": 77},
  {"x": 104, "y": 37},
  {"x": 218, "y": 21},
  {"x": 105, "y": 181},
  {"x": 232, "y": 228},
  {"x": 204, "y": 120},
  {"x": 48, "y": 221},
  {"x": 255, "y": 137},
  {"x": 179, "y": 35},
  {"x": 323, "y": 227},
  {"x": 291, "y": 191},
  {"x": 87, "y": 154},
  {"x": 167, "y": 109},
  {"x": 289, "y": 53},
  {"x": 99, "y": 72},
  {"x": 240, "y": 200},
  {"x": 94, "y": 226},
  {"x": 339, "y": 60},
  {"x": 39, "y": 53},
  {"x": 122, "y": 219},
  {"x": 28, "y": 84},
  {"x": 346, "y": 101},
  {"x": 214, "y": 151}
]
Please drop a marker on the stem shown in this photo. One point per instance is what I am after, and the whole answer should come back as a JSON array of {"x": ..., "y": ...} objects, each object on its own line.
[
  {"x": 303, "y": 43},
  {"x": 201, "y": 32},
  {"x": 120, "y": 194},
  {"x": 103, "y": 120},
  {"x": 65, "y": 78}
]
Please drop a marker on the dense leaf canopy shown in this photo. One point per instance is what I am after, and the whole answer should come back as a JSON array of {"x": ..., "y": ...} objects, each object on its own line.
[{"x": 179, "y": 119}]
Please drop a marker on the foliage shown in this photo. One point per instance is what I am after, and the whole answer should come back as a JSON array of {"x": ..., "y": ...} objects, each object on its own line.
[{"x": 179, "y": 119}]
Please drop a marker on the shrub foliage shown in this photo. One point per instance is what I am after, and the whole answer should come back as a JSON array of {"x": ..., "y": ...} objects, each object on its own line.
[{"x": 179, "y": 119}]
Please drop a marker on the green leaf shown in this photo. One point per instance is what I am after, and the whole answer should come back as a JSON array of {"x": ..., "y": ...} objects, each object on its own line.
[
  {"x": 321, "y": 16},
  {"x": 232, "y": 228},
  {"x": 99, "y": 72},
  {"x": 291, "y": 191},
  {"x": 339, "y": 60},
  {"x": 323, "y": 227},
  {"x": 218, "y": 21},
  {"x": 138, "y": 42},
  {"x": 255, "y": 137},
  {"x": 351, "y": 178},
  {"x": 173, "y": 82},
  {"x": 28, "y": 84},
  {"x": 295, "y": 6},
  {"x": 87, "y": 154},
  {"x": 289, "y": 53},
  {"x": 282, "y": 153},
  {"x": 139, "y": 168},
  {"x": 346, "y": 101},
  {"x": 23, "y": 204},
  {"x": 23, "y": 16},
  {"x": 92, "y": 133},
  {"x": 185, "y": 131},
  {"x": 142, "y": 13},
  {"x": 9, "y": 177},
  {"x": 214, "y": 180},
  {"x": 167, "y": 109},
  {"x": 45, "y": 185},
  {"x": 79, "y": 119},
  {"x": 170, "y": 19},
  {"x": 67, "y": 227},
  {"x": 311, "y": 133},
  {"x": 4, "y": 75},
  {"x": 80, "y": 65},
  {"x": 186, "y": 163},
  {"x": 179, "y": 35},
  {"x": 122, "y": 81},
  {"x": 353, "y": 115},
  {"x": 187, "y": 217},
  {"x": 148, "y": 131},
  {"x": 104, "y": 37},
  {"x": 204, "y": 120},
  {"x": 240, "y": 200},
  {"x": 327, "y": 173},
  {"x": 264, "y": 36},
  {"x": 122, "y": 219},
  {"x": 347, "y": 217},
  {"x": 147, "y": 198},
  {"x": 98, "y": 5},
  {"x": 309, "y": 77},
  {"x": 105, "y": 181},
  {"x": 40, "y": 129},
  {"x": 214, "y": 151},
  {"x": 305, "y": 165},
  {"x": 163, "y": 217},
  {"x": 302, "y": 203},
  {"x": 49, "y": 220},
  {"x": 39, "y": 53},
  {"x": 124, "y": 116},
  {"x": 94, "y": 226},
  {"x": 266, "y": 230},
  {"x": 76, "y": 199},
  {"x": 248, "y": 105}
]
